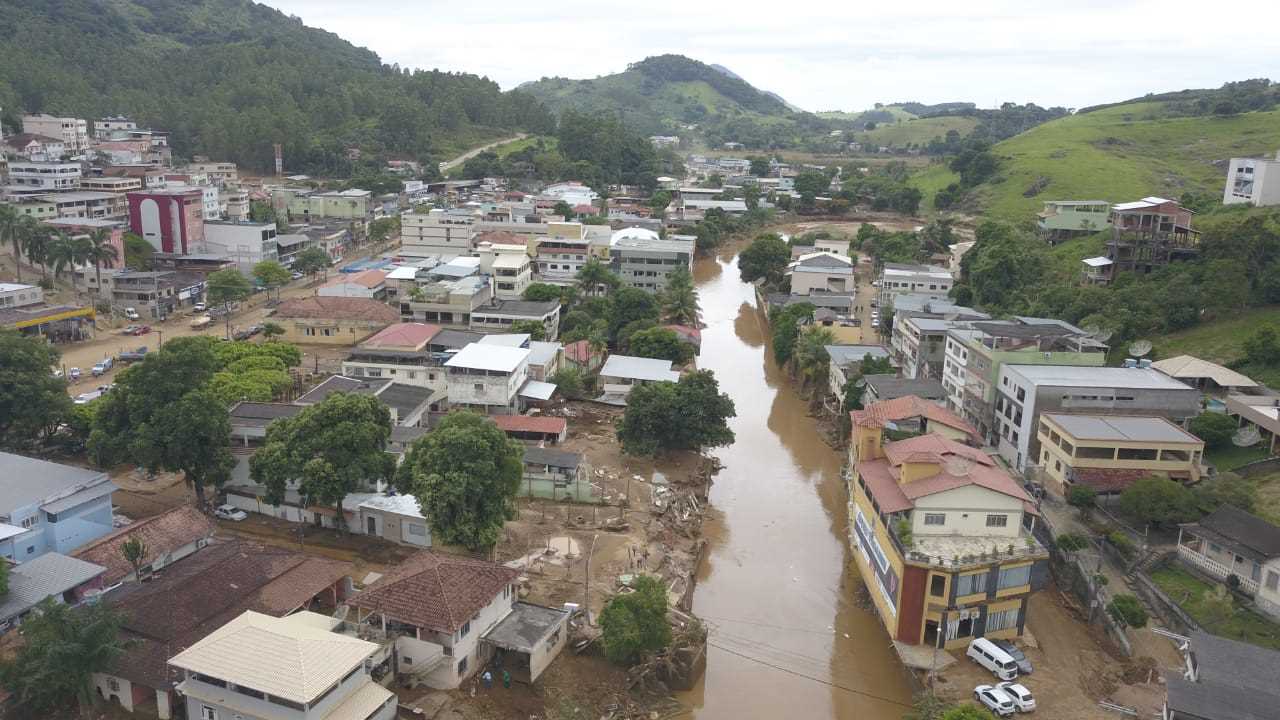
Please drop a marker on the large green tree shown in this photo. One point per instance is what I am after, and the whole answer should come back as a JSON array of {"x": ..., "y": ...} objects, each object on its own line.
[
  {"x": 32, "y": 401},
  {"x": 765, "y": 258},
  {"x": 225, "y": 287},
  {"x": 634, "y": 625},
  {"x": 330, "y": 450},
  {"x": 63, "y": 646},
  {"x": 465, "y": 474},
  {"x": 661, "y": 343},
  {"x": 311, "y": 261},
  {"x": 691, "y": 414},
  {"x": 1159, "y": 501},
  {"x": 679, "y": 300},
  {"x": 272, "y": 275}
]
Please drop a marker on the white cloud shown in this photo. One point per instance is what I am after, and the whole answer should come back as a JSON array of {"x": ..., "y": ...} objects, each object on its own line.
[{"x": 835, "y": 56}]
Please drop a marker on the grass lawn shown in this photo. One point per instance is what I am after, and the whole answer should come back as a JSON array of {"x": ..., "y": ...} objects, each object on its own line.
[
  {"x": 518, "y": 145},
  {"x": 917, "y": 130},
  {"x": 1268, "y": 505},
  {"x": 1189, "y": 591},
  {"x": 1232, "y": 457}
]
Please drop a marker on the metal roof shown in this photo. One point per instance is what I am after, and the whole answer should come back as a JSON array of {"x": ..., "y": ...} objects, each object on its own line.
[
  {"x": 1099, "y": 261},
  {"x": 541, "y": 353},
  {"x": 398, "y": 504},
  {"x": 638, "y": 368},
  {"x": 1102, "y": 377},
  {"x": 481, "y": 356},
  {"x": 1188, "y": 366},
  {"x": 79, "y": 497},
  {"x": 28, "y": 481},
  {"x": 516, "y": 340},
  {"x": 547, "y": 456},
  {"x": 538, "y": 390},
  {"x": 1121, "y": 428},
  {"x": 50, "y": 574}
]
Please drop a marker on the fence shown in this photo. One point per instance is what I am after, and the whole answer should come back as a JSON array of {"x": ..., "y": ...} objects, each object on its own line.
[{"x": 1170, "y": 613}]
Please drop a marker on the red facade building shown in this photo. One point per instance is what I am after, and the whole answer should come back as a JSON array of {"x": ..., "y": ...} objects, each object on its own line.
[{"x": 172, "y": 220}]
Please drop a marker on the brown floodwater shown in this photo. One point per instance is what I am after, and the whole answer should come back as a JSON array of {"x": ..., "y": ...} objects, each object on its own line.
[{"x": 777, "y": 585}]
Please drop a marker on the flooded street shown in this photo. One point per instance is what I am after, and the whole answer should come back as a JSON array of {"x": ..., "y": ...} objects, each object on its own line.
[{"x": 776, "y": 586}]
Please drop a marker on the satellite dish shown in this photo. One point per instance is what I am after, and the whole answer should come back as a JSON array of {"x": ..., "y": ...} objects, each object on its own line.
[
  {"x": 860, "y": 382},
  {"x": 1104, "y": 335},
  {"x": 1140, "y": 348},
  {"x": 1091, "y": 330},
  {"x": 1247, "y": 436}
]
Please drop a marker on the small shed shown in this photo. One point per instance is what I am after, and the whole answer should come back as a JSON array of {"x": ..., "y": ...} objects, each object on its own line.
[{"x": 526, "y": 641}]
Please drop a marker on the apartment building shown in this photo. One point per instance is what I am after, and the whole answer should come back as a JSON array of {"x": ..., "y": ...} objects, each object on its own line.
[
  {"x": 117, "y": 185},
  {"x": 566, "y": 247},
  {"x": 974, "y": 355},
  {"x": 1064, "y": 219},
  {"x": 499, "y": 315},
  {"x": 444, "y": 302},
  {"x": 37, "y": 148},
  {"x": 218, "y": 173},
  {"x": 510, "y": 266},
  {"x": 1025, "y": 392},
  {"x": 1253, "y": 180},
  {"x": 44, "y": 177},
  {"x": 106, "y": 128},
  {"x": 645, "y": 261},
  {"x": 443, "y": 233},
  {"x": 942, "y": 537},
  {"x": 919, "y": 343},
  {"x": 171, "y": 219},
  {"x": 308, "y": 205},
  {"x": 409, "y": 353},
  {"x": 245, "y": 244},
  {"x": 898, "y": 278},
  {"x": 155, "y": 294},
  {"x": 49, "y": 507},
  {"x": 73, "y": 132},
  {"x": 487, "y": 377},
  {"x": 82, "y": 204},
  {"x": 821, "y": 271},
  {"x": 1108, "y": 453}
]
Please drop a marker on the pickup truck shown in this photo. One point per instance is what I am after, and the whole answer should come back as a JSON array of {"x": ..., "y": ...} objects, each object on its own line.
[
  {"x": 103, "y": 366},
  {"x": 129, "y": 356}
]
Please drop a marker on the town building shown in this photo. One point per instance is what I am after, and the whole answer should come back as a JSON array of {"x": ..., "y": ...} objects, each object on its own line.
[
  {"x": 1108, "y": 453},
  {"x": 974, "y": 355},
  {"x": 510, "y": 267},
  {"x": 487, "y": 377},
  {"x": 38, "y": 148},
  {"x": 621, "y": 373},
  {"x": 565, "y": 248},
  {"x": 846, "y": 362},
  {"x": 898, "y": 278},
  {"x": 409, "y": 404},
  {"x": 52, "y": 575},
  {"x": 172, "y": 220},
  {"x": 333, "y": 320},
  {"x": 821, "y": 272},
  {"x": 1064, "y": 219},
  {"x": 155, "y": 294},
  {"x": 395, "y": 518},
  {"x": 19, "y": 295},
  {"x": 117, "y": 185},
  {"x": 443, "y": 233},
  {"x": 1026, "y": 391},
  {"x": 245, "y": 244},
  {"x": 27, "y": 178},
  {"x": 545, "y": 359},
  {"x": 538, "y": 430},
  {"x": 219, "y": 173},
  {"x": 74, "y": 132},
  {"x": 1223, "y": 680},
  {"x": 105, "y": 128},
  {"x": 49, "y": 507},
  {"x": 942, "y": 538},
  {"x": 918, "y": 342},
  {"x": 1146, "y": 235},
  {"x": 1254, "y": 181},
  {"x": 1206, "y": 376},
  {"x": 557, "y": 475},
  {"x": 884, "y": 387},
  {"x": 1261, "y": 412},
  {"x": 1230, "y": 541},
  {"x": 914, "y": 415},
  {"x": 82, "y": 204},
  {"x": 297, "y": 667},
  {"x": 498, "y": 316},
  {"x": 22, "y": 308},
  {"x": 308, "y": 205},
  {"x": 643, "y": 260},
  {"x": 166, "y": 538},
  {"x": 370, "y": 284},
  {"x": 450, "y": 616},
  {"x": 176, "y": 609}
]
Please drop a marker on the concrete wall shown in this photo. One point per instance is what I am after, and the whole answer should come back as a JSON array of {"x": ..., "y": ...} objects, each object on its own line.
[
  {"x": 967, "y": 509},
  {"x": 547, "y": 651}
]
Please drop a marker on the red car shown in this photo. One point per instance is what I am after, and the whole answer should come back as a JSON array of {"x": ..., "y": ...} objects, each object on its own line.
[{"x": 142, "y": 330}]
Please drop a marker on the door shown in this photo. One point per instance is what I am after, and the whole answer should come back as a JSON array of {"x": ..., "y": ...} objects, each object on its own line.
[
  {"x": 372, "y": 523},
  {"x": 931, "y": 633}
]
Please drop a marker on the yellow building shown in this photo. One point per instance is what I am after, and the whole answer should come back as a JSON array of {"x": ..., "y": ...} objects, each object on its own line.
[
  {"x": 1110, "y": 452},
  {"x": 942, "y": 539},
  {"x": 333, "y": 320}
]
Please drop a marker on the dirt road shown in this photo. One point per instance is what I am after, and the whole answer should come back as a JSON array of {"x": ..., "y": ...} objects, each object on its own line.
[{"x": 450, "y": 164}]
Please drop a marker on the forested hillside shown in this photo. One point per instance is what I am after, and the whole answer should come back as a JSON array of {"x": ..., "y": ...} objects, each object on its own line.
[{"x": 230, "y": 77}]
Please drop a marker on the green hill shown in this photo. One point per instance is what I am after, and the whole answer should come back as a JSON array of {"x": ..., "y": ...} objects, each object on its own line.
[
  {"x": 1120, "y": 152},
  {"x": 917, "y": 130},
  {"x": 661, "y": 94},
  {"x": 230, "y": 77}
]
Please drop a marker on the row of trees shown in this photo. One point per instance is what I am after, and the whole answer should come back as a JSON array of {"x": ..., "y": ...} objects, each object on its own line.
[{"x": 50, "y": 248}]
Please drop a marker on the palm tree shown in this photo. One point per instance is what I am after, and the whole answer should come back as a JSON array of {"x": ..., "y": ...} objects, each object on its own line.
[
  {"x": 810, "y": 355},
  {"x": 680, "y": 300},
  {"x": 36, "y": 243},
  {"x": 67, "y": 251},
  {"x": 9, "y": 222},
  {"x": 593, "y": 276},
  {"x": 100, "y": 251},
  {"x": 134, "y": 551}
]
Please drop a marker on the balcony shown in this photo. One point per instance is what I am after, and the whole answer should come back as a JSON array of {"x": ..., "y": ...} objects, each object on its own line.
[{"x": 959, "y": 552}]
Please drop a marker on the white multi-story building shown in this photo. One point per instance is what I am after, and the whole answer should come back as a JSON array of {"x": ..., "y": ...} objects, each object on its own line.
[
  {"x": 44, "y": 177},
  {"x": 107, "y": 127},
  {"x": 896, "y": 278},
  {"x": 247, "y": 244},
  {"x": 14, "y": 295},
  {"x": 74, "y": 132},
  {"x": 488, "y": 377},
  {"x": 446, "y": 233},
  {"x": 1251, "y": 180},
  {"x": 565, "y": 248},
  {"x": 509, "y": 265},
  {"x": 643, "y": 260}
]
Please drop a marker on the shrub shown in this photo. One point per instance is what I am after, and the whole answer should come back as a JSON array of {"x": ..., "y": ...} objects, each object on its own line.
[
  {"x": 1128, "y": 611},
  {"x": 1072, "y": 542},
  {"x": 1122, "y": 542},
  {"x": 1215, "y": 429},
  {"x": 1081, "y": 496},
  {"x": 635, "y": 624}
]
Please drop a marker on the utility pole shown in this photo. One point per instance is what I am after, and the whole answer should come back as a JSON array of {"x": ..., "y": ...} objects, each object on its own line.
[{"x": 586, "y": 586}]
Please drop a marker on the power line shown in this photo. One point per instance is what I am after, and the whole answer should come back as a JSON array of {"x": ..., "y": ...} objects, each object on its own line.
[{"x": 789, "y": 671}]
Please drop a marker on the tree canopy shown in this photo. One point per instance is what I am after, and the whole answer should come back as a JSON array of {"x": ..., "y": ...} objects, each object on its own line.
[
  {"x": 465, "y": 474},
  {"x": 661, "y": 343},
  {"x": 634, "y": 625},
  {"x": 690, "y": 414},
  {"x": 765, "y": 258},
  {"x": 32, "y": 401}
]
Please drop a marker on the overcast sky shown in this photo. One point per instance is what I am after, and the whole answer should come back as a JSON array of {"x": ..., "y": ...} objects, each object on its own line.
[{"x": 836, "y": 55}]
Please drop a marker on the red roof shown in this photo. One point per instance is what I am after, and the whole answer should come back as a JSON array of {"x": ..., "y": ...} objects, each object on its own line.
[
  {"x": 436, "y": 591},
  {"x": 584, "y": 209},
  {"x": 502, "y": 237},
  {"x": 910, "y": 406},
  {"x": 691, "y": 334},
  {"x": 369, "y": 278},
  {"x": 531, "y": 423},
  {"x": 402, "y": 335},
  {"x": 161, "y": 534},
  {"x": 579, "y": 352},
  {"x": 960, "y": 466},
  {"x": 1109, "y": 480}
]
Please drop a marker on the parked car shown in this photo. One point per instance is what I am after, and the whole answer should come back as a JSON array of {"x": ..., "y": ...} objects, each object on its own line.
[
  {"x": 1019, "y": 657},
  {"x": 133, "y": 355},
  {"x": 230, "y": 512},
  {"x": 1019, "y": 694},
  {"x": 74, "y": 374},
  {"x": 200, "y": 307},
  {"x": 86, "y": 398},
  {"x": 132, "y": 314},
  {"x": 141, "y": 330},
  {"x": 995, "y": 700},
  {"x": 985, "y": 653},
  {"x": 297, "y": 275},
  {"x": 103, "y": 366},
  {"x": 129, "y": 330}
]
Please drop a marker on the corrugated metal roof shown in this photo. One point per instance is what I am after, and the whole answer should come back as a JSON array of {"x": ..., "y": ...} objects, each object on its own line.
[
  {"x": 28, "y": 480},
  {"x": 638, "y": 368},
  {"x": 48, "y": 575},
  {"x": 481, "y": 356},
  {"x": 80, "y": 497},
  {"x": 538, "y": 390}
]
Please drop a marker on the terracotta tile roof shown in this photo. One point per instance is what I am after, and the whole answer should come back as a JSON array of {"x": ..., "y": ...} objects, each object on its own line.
[
  {"x": 910, "y": 406},
  {"x": 883, "y": 486},
  {"x": 579, "y": 352},
  {"x": 882, "y": 476},
  {"x": 435, "y": 591},
  {"x": 502, "y": 237},
  {"x": 338, "y": 308},
  {"x": 932, "y": 448},
  {"x": 402, "y": 335},
  {"x": 191, "y": 598},
  {"x": 531, "y": 423},
  {"x": 690, "y": 334},
  {"x": 161, "y": 535},
  {"x": 1109, "y": 480},
  {"x": 368, "y": 278}
]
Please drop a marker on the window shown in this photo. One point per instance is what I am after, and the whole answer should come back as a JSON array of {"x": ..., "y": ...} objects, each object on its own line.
[
  {"x": 29, "y": 521},
  {"x": 937, "y": 585},
  {"x": 466, "y": 628},
  {"x": 208, "y": 713},
  {"x": 1002, "y": 620},
  {"x": 1014, "y": 577},
  {"x": 209, "y": 680},
  {"x": 417, "y": 529},
  {"x": 1095, "y": 453},
  {"x": 1273, "y": 580},
  {"x": 997, "y": 520},
  {"x": 971, "y": 584},
  {"x": 114, "y": 683},
  {"x": 935, "y": 519},
  {"x": 1137, "y": 454},
  {"x": 462, "y": 666}
]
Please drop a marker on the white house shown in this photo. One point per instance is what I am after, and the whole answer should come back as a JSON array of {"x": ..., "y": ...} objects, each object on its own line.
[
  {"x": 821, "y": 272},
  {"x": 487, "y": 377},
  {"x": 623, "y": 372},
  {"x": 246, "y": 244},
  {"x": 366, "y": 284},
  {"x": 1251, "y": 180},
  {"x": 897, "y": 278}
]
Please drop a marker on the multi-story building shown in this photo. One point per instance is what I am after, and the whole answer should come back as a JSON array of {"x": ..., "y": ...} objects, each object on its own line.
[
  {"x": 219, "y": 173},
  {"x": 18, "y": 295},
  {"x": 44, "y": 177},
  {"x": 509, "y": 265},
  {"x": 566, "y": 247},
  {"x": 898, "y": 278},
  {"x": 409, "y": 353},
  {"x": 117, "y": 185},
  {"x": 487, "y": 377},
  {"x": 48, "y": 507},
  {"x": 83, "y": 204},
  {"x": 499, "y": 315},
  {"x": 246, "y": 244},
  {"x": 337, "y": 204},
  {"x": 1065, "y": 219},
  {"x": 106, "y": 128},
  {"x": 1108, "y": 453},
  {"x": 444, "y": 233},
  {"x": 297, "y": 667},
  {"x": 1025, "y": 392},
  {"x": 210, "y": 203},
  {"x": 942, "y": 537},
  {"x": 333, "y": 320},
  {"x": 974, "y": 354},
  {"x": 74, "y": 132},
  {"x": 445, "y": 302},
  {"x": 172, "y": 220},
  {"x": 645, "y": 261},
  {"x": 919, "y": 343},
  {"x": 37, "y": 148},
  {"x": 1147, "y": 235},
  {"x": 234, "y": 204},
  {"x": 86, "y": 226},
  {"x": 1253, "y": 180},
  {"x": 155, "y": 294}
]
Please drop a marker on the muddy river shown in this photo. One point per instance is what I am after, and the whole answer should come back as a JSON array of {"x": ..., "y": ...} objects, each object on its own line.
[{"x": 775, "y": 589}]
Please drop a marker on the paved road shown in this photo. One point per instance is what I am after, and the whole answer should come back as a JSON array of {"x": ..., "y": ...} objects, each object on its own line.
[{"x": 449, "y": 164}]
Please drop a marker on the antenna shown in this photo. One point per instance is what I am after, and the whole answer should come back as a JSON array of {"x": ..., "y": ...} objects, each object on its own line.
[
  {"x": 1140, "y": 348},
  {"x": 1247, "y": 436}
]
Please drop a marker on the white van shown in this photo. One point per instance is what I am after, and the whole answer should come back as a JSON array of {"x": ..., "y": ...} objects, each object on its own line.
[{"x": 1000, "y": 663}]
